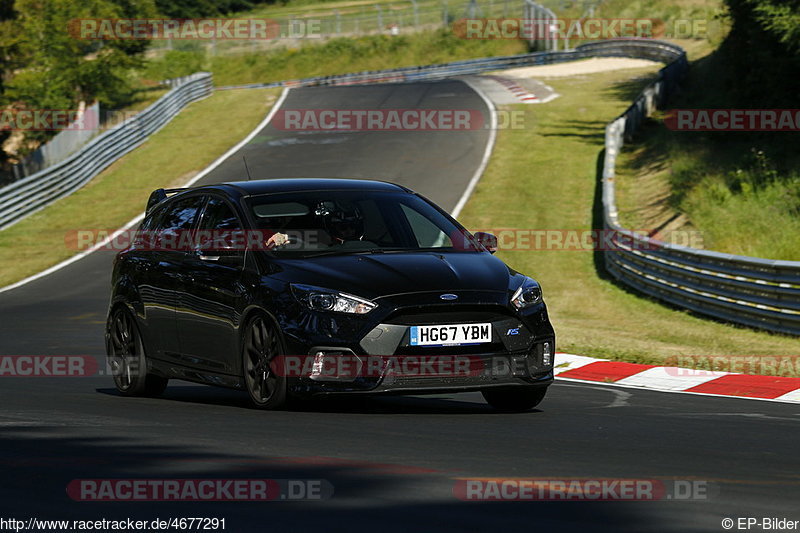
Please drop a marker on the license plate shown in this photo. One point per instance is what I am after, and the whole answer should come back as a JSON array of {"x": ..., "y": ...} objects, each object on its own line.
[{"x": 451, "y": 335}]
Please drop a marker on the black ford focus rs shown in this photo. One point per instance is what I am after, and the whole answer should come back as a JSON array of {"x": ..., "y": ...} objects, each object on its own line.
[{"x": 311, "y": 287}]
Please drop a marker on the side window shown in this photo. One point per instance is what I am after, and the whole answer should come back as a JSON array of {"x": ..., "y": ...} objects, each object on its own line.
[
  {"x": 175, "y": 225},
  {"x": 145, "y": 235},
  {"x": 219, "y": 226},
  {"x": 219, "y": 216},
  {"x": 427, "y": 234}
]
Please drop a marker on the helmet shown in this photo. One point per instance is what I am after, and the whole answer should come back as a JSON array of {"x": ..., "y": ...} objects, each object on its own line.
[{"x": 344, "y": 223}]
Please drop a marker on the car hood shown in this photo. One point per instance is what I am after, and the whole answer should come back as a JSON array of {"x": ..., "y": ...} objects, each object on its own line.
[{"x": 386, "y": 274}]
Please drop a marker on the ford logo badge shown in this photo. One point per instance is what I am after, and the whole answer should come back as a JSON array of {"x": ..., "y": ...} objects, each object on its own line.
[{"x": 449, "y": 297}]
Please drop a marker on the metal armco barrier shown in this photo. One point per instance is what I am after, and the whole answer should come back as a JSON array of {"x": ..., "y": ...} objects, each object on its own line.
[
  {"x": 643, "y": 49},
  {"x": 754, "y": 292},
  {"x": 30, "y": 194}
]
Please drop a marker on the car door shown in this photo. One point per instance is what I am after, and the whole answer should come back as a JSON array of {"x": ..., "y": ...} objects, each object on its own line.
[
  {"x": 162, "y": 277},
  {"x": 212, "y": 299}
]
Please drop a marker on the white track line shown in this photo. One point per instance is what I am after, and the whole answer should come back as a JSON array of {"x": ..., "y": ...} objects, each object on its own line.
[
  {"x": 670, "y": 378},
  {"x": 486, "y": 154},
  {"x": 658, "y": 379},
  {"x": 793, "y": 396},
  {"x": 140, "y": 216}
]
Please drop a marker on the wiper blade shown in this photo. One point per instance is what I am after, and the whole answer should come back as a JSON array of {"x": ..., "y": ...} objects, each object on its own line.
[
  {"x": 348, "y": 251},
  {"x": 339, "y": 251}
]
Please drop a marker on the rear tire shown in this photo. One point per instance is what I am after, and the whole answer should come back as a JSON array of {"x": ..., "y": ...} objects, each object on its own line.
[
  {"x": 261, "y": 344},
  {"x": 127, "y": 358},
  {"x": 514, "y": 400}
]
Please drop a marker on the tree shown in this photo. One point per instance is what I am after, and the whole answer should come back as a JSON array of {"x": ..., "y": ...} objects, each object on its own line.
[
  {"x": 63, "y": 69},
  {"x": 9, "y": 59}
]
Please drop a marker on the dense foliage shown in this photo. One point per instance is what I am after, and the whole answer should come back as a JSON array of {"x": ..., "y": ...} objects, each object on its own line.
[{"x": 763, "y": 50}]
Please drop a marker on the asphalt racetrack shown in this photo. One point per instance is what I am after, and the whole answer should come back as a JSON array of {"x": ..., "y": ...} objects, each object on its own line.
[{"x": 392, "y": 462}]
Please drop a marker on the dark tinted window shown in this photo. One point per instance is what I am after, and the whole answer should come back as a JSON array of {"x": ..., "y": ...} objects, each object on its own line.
[
  {"x": 145, "y": 233},
  {"x": 173, "y": 230},
  {"x": 219, "y": 215},
  {"x": 181, "y": 214},
  {"x": 344, "y": 221},
  {"x": 219, "y": 227}
]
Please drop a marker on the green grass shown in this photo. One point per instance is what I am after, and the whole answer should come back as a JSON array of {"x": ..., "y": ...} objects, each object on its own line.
[
  {"x": 545, "y": 177},
  {"x": 674, "y": 19},
  {"x": 169, "y": 158},
  {"x": 739, "y": 190},
  {"x": 336, "y": 56}
]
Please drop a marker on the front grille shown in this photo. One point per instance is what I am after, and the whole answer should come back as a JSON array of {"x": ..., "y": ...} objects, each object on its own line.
[{"x": 438, "y": 382}]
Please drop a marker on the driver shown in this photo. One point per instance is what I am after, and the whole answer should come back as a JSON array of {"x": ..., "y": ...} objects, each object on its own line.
[{"x": 345, "y": 224}]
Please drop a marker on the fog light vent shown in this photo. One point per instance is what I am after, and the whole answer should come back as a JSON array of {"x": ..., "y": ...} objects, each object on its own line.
[{"x": 335, "y": 364}]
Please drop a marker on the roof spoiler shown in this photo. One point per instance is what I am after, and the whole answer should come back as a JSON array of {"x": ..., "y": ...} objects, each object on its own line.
[{"x": 158, "y": 196}]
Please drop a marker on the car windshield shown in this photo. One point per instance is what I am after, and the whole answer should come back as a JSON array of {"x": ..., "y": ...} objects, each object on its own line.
[{"x": 320, "y": 223}]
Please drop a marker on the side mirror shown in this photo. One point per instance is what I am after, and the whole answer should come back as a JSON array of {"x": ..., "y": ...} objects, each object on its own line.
[{"x": 487, "y": 240}]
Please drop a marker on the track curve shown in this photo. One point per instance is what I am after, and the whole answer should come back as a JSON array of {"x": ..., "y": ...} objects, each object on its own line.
[{"x": 392, "y": 461}]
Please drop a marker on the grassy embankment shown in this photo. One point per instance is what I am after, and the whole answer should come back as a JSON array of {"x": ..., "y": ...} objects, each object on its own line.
[{"x": 545, "y": 177}]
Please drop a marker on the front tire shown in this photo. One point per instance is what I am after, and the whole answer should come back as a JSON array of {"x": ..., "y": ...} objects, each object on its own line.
[
  {"x": 514, "y": 400},
  {"x": 261, "y": 344},
  {"x": 128, "y": 361}
]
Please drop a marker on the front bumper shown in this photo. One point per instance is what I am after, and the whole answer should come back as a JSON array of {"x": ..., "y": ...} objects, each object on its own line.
[{"x": 520, "y": 353}]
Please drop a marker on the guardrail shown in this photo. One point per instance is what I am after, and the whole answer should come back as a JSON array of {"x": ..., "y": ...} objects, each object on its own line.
[
  {"x": 750, "y": 291},
  {"x": 654, "y": 50},
  {"x": 38, "y": 190}
]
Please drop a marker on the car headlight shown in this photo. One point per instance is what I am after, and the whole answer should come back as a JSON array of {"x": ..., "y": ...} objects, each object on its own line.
[
  {"x": 528, "y": 294},
  {"x": 321, "y": 299}
]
